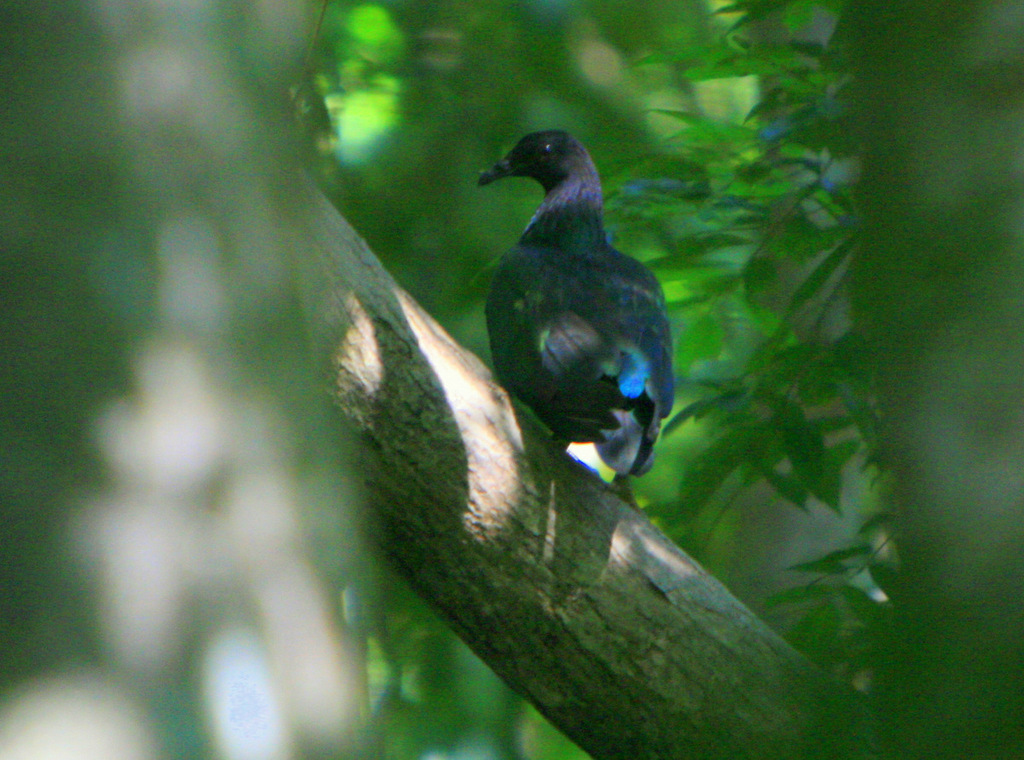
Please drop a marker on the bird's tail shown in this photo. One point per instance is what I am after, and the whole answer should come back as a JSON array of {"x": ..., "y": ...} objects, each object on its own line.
[{"x": 629, "y": 450}]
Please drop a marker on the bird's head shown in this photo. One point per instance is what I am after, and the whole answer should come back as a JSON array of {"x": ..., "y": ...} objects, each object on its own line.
[{"x": 549, "y": 157}]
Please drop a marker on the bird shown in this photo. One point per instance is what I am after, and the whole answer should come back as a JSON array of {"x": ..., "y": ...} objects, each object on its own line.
[{"x": 578, "y": 331}]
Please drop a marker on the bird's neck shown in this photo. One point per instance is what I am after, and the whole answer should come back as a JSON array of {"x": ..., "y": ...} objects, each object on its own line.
[{"x": 570, "y": 217}]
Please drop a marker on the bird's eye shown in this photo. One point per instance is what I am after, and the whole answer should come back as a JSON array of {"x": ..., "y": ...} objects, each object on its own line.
[{"x": 547, "y": 148}]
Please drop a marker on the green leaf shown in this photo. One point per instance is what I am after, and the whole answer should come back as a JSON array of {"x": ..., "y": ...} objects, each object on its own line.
[
  {"x": 789, "y": 487},
  {"x": 836, "y": 458},
  {"x": 710, "y": 470},
  {"x": 802, "y": 442},
  {"x": 800, "y": 240},
  {"x": 687, "y": 117},
  {"x": 833, "y": 563},
  {"x": 759, "y": 275},
  {"x": 878, "y": 520},
  {"x": 696, "y": 410},
  {"x": 811, "y": 592},
  {"x": 863, "y": 607},
  {"x": 886, "y": 578},
  {"x": 701, "y": 340},
  {"x": 817, "y": 633},
  {"x": 798, "y": 15},
  {"x": 729, "y": 401},
  {"x": 822, "y": 272}
]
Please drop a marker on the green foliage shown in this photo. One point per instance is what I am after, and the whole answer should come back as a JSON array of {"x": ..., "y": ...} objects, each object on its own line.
[
  {"x": 367, "y": 48},
  {"x": 734, "y": 184},
  {"x": 841, "y": 618},
  {"x": 753, "y": 238}
]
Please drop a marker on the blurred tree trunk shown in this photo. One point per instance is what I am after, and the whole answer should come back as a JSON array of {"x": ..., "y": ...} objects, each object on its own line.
[
  {"x": 939, "y": 285},
  {"x": 158, "y": 593}
]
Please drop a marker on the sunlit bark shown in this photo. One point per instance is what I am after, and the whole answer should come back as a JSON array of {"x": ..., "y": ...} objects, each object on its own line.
[{"x": 566, "y": 591}]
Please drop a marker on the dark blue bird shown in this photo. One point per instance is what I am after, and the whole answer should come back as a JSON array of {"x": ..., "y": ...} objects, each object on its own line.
[{"x": 578, "y": 330}]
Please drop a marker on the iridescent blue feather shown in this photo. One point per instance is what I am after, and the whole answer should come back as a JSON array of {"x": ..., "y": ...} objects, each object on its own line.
[{"x": 578, "y": 330}]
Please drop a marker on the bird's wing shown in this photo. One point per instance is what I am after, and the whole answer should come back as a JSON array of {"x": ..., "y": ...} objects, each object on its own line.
[
  {"x": 547, "y": 354},
  {"x": 630, "y": 314}
]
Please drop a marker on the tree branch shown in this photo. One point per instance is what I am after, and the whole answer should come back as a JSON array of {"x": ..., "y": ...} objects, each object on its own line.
[{"x": 568, "y": 593}]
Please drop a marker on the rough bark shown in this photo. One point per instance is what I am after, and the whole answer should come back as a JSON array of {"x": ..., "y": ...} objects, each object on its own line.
[{"x": 566, "y": 591}]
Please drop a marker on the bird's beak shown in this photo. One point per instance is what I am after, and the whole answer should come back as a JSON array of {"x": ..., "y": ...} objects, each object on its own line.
[{"x": 501, "y": 169}]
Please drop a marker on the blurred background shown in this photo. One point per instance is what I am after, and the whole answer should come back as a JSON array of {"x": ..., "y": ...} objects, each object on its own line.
[{"x": 182, "y": 568}]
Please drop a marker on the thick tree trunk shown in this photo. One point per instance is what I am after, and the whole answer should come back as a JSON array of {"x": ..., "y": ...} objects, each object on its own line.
[
  {"x": 566, "y": 591},
  {"x": 158, "y": 597},
  {"x": 939, "y": 285}
]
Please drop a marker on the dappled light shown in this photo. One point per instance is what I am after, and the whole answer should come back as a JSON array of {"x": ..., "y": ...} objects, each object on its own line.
[
  {"x": 600, "y": 62},
  {"x": 486, "y": 421},
  {"x": 204, "y": 508},
  {"x": 245, "y": 712},
  {"x": 359, "y": 352},
  {"x": 631, "y": 543},
  {"x": 367, "y": 105},
  {"x": 635, "y": 547},
  {"x": 84, "y": 716},
  {"x": 551, "y": 524}
]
